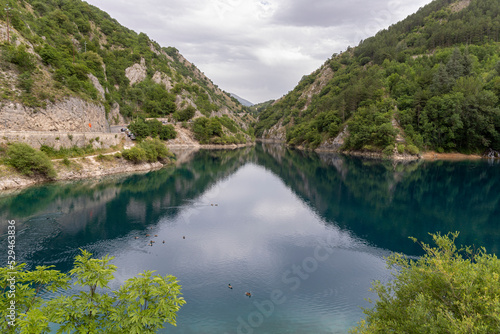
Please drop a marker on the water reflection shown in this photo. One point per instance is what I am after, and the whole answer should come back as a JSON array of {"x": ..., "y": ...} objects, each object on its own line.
[
  {"x": 306, "y": 234},
  {"x": 385, "y": 203}
]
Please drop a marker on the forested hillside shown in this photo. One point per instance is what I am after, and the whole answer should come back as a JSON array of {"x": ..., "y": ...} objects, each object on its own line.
[
  {"x": 433, "y": 78},
  {"x": 55, "y": 49}
]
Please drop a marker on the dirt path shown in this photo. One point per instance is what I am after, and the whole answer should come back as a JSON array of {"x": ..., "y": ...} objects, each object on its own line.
[{"x": 449, "y": 156}]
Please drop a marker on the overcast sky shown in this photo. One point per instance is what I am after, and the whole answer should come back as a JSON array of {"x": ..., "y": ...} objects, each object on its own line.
[{"x": 258, "y": 49}]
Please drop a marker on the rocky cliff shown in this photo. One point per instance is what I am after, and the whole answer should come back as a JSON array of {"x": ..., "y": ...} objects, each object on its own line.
[{"x": 72, "y": 114}]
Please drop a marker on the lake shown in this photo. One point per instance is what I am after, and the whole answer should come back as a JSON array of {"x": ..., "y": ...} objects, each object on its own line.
[{"x": 306, "y": 234}]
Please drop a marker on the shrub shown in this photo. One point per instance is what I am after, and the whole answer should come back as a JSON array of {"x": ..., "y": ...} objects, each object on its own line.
[
  {"x": 401, "y": 148},
  {"x": 448, "y": 290},
  {"x": 102, "y": 157},
  {"x": 184, "y": 114},
  {"x": 29, "y": 161},
  {"x": 412, "y": 149},
  {"x": 135, "y": 154},
  {"x": 147, "y": 150},
  {"x": 388, "y": 150},
  {"x": 167, "y": 132}
]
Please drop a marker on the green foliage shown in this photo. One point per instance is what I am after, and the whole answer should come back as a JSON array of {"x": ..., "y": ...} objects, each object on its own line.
[
  {"x": 167, "y": 132},
  {"x": 210, "y": 131},
  {"x": 185, "y": 114},
  {"x": 152, "y": 128},
  {"x": 439, "y": 67},
  {"x": 74, "y": 39},
  {"x": 412, "y": 149},
  {"x": 206, "y": 128},
  {"x": 29, "y": 161},
  {"x": 65, "y": 152},
  {"x": 149, "y": 150},
  {"x": 135, "y": 154},
  {"x": 142, "y": 304},
  {"x": 370, "y": 130},
  {"x": 448, "y": 290},
  {"x": 104, "y": 158},
  {"x": 19, "y": 56}
]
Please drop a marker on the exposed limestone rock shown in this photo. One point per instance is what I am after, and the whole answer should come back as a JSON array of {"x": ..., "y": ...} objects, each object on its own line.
[
  {"x": 72, "y": 114},
  {"x": 323, "y": 78},
  {"x": 184, "y": 139},
  {"x": 182, "y": 101},
  {"x": 459, "y": 6},
  {"x": 18, "y": 40},
  {"x": 163, "y": 79},
  {"x": 492, "y": 154},
  {"x": 137, "y": 72},
  {"x": 63, "y": 139},
  {"x": 277, "y": 133},
  {"x": 334, "y": 145},
  {"x": 97, "y": 84},
  {"x": 114, "y": 116},
  {"x": 399, "y": 138}
]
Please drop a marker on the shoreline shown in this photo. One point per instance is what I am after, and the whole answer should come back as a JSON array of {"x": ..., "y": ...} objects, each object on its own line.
[{"x": 89, "y": 167}]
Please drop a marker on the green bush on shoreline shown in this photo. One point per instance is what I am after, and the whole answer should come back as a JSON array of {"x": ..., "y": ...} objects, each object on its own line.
[
  {"x": 149, "y": 150},
  {"x": 448, "y": 290},
  {"x": 29, "y": 161}
]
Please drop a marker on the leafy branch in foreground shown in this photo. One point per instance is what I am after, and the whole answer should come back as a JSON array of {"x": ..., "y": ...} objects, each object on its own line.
[
  {"x": 142, "y": 304},
  {"x": 448, "y": 290}
]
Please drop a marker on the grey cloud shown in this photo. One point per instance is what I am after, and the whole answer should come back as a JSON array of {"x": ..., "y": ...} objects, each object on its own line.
[
  {"x": 326, "y": 13},
  {"x": 228, "y": 52}
]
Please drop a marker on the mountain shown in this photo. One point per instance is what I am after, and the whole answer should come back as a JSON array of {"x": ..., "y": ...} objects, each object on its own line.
[
  {"x": 429, "y": 82},
  {"x": 57, "y": 51},
  {"x": 244, "y": 102}
]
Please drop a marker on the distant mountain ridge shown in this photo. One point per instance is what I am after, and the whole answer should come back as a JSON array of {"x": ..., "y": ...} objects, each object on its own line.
[
  {"x": 429, "y": 82},
  {"x": 244, "y": 102}
]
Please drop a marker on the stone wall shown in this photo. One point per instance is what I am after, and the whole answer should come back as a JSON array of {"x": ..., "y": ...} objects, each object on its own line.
[
  {"x": 63, "y": 139},
  {"x": 72, "y": 114}
]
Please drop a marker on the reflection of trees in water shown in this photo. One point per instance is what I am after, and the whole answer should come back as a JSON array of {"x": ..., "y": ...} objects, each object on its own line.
[
  {"x": 381, "y": 202},
  {"x": 385, "y": 203},
  {"x": 70, "y": 215}
]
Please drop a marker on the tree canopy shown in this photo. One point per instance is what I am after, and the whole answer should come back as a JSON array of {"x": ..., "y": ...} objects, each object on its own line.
[
  {"x": 448, "y": 290},
  {"x": 438, "y": 69},
  {"x": 143, "y": 304}
]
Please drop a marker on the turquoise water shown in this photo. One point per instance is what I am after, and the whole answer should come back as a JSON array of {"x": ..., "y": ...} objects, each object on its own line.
[{"x": 304, "y": 233}]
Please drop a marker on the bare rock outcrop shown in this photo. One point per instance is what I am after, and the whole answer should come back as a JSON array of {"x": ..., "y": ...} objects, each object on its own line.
[
  {"x": 97, "y": 84},
  {"x": 335, "y": 144},
  {"x": 277, "y": 133},
  {"x": 114, "y": 116},
  {"x": 137, "y": 72},
  {"x": 163, "y": 79},
  {"x": 72, "y": 114}
]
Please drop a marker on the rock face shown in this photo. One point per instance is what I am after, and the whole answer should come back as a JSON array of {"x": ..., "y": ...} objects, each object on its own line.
[
  {"x": 334, "y": 145},
  {"x": 277, "y": 133},
  {"x": 163, "y": 79},
  {"x": 136, "y": 72},
  {"x": 58, "y": 139},
  {"x": 492, "y": 154},
  {"x": 114, "y": 116},
  {"x": 72, "y": 114},
  {"x": 97, "y": 84}
]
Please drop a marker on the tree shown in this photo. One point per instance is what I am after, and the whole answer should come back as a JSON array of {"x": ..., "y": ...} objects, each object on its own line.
[
  {"x": 448, "y": 290},
  {"x": 29, "y": 161},
  {"x": 142, "y": 304}
]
